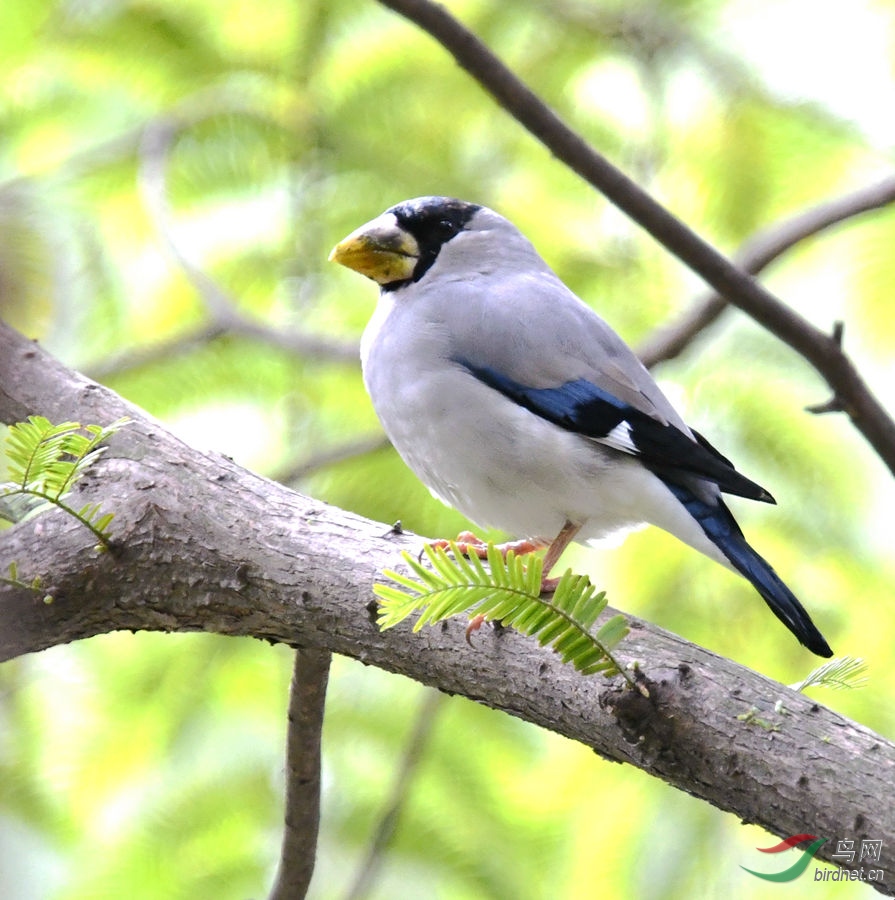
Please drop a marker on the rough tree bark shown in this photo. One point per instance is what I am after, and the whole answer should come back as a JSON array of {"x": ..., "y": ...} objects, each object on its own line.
[{"x": 203, "y": 545}]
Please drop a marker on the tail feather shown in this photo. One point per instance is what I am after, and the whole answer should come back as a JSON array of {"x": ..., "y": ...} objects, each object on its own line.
[{"x": 721, "y": 528}]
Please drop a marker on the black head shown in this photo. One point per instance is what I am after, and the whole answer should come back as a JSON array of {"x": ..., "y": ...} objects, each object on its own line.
[{"x": 433, "y": 221}]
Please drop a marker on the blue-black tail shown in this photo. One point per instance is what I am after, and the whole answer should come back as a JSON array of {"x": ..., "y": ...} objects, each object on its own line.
[{"x": 721, "y": 528}]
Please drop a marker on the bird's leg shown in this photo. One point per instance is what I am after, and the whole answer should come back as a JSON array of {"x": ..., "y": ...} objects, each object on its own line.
[{"x": 554, "y": 551}]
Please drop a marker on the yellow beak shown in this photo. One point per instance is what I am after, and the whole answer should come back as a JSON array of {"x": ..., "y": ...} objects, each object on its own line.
[{"x": 381, "y": 250}]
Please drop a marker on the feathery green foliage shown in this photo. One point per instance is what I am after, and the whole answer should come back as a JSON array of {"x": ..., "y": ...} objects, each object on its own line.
[
  {"x": 510, "y": 594},
  {"x": 45, "y": 461},
  {"x": 846, "y": 672}
]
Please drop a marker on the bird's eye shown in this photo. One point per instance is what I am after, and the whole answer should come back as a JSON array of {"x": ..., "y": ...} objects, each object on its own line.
[{"x": 447, "y": 228}]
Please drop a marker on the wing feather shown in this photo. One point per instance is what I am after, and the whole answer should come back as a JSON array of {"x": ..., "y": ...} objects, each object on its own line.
[{"x": 582, "y": 407}]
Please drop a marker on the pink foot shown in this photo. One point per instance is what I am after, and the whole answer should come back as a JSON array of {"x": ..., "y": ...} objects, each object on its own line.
[{"x": 471, "y": 545}]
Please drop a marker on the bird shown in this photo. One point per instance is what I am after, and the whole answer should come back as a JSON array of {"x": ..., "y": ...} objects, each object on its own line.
[{"x": 513, "y": 401}]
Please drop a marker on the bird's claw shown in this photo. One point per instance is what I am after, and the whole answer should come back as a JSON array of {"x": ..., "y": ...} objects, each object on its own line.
[
  {"x": 475, "y": 623},
  {"x": 469, "y": 544}
]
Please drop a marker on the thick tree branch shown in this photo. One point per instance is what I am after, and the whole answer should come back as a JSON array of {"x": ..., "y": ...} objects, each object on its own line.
[
  {"x": 850, "y": 391},
  {"x": 206, "y": 546}
]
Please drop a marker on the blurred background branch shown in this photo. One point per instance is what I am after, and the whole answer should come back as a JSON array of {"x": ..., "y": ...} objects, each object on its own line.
[
  {"x": 759, "y": 251},
  {"x": 368, "y": 872},
  {"x": 223, "y": 310}
]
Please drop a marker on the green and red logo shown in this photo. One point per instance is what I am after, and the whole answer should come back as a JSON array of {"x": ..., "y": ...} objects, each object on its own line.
[{"x": 799, "y": 865}]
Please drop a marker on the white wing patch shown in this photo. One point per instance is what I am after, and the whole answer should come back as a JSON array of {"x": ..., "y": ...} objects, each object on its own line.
[{"x": 620, "y": 439}]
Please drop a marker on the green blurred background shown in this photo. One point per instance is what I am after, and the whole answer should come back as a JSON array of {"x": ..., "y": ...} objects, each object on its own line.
[{"x": 150, "y": 145}]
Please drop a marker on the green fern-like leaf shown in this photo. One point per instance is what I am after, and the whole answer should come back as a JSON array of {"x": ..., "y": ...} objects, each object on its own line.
[
  {"x": 839, "y": 674},
  {"x": 45, "y": 461},
  {"x": 509, "y": 593}
]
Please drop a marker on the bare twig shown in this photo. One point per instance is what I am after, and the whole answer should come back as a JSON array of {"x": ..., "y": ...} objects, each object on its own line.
[
  {"x": 156, "y": 352},
  {"x": 330, "y": 456},
  {"x": 413, "y": 754},
  {"x": 758, "y": 252},
  {"x": 206, "y": 333},
  {"x": 865, "y": 411},
  {"x": 302, "y": 820},
  {"x": 834, "y": 404}
]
